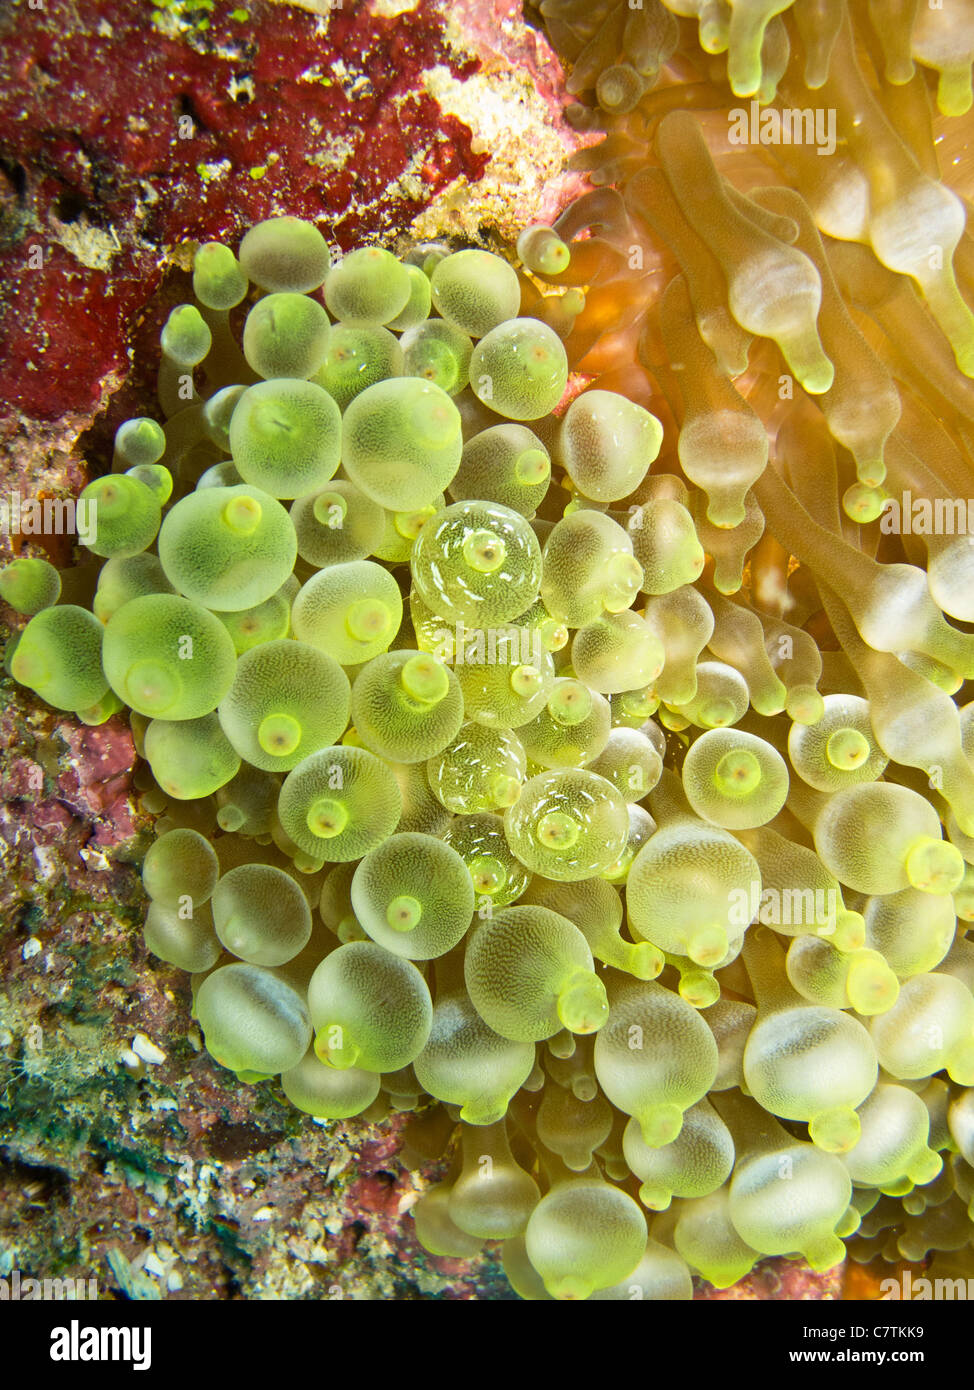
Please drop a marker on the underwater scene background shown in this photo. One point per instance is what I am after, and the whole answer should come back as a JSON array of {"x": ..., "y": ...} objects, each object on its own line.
[{"x": 487, "y": 739}]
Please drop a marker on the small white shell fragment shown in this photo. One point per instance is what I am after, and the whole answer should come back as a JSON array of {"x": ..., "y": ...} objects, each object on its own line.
[{"x": 146, "y": 1049}]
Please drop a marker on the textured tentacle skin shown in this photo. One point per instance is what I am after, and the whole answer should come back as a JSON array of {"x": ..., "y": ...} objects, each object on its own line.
[
  {"x": 551, "y": 668},
  {"x": 751, "y": 259}
]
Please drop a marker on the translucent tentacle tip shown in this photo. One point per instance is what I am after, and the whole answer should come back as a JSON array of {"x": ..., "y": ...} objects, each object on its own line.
[
  {"x": 330, "y": 509},
  {"x": 699, "y": 988},
  {"x": 505, "y": 790},
  {"x": 335, "y": 1048},
  {"x": 153, "y": 685},
  {"x": 717, "y": 713},
  {"x": 409, "y": 524},
  {"x": 835, "y": 1131},
  {"x": 960, "y": 1067},
  {"x": 368, "y": 620},
  {"x": 708, "y": 946},
  {"x": 646, "y": 961},
  {"x": 660, "y": 1124},
  {"x": 872, "y": 986},
  {"x": 714, "y": 32},
  {"x": 279, "y": 734},
  {"x": 327, "y": 817},
  {"x": 532, "y": 467},
  {"x": 433, "y": 422},
  {"x": 583, "y": 1006},
  {"x": 570, "y": 1289},
  {"x": 655, "y": 1198},
  {"x": 863, "y": 502},
  {"x": 487, "y": 873},
  {"x": 306, "y": 864},
  {"x": 425, "y": 679},
  {"x": 484, "y": 552},
  {"x": 925, "y": 1167},
  {"x": 807, "y": 360},
  {"x": 483, "y": 1110},
  {"x": 404, "y": 912},
  {"x": 848, "y": 932},
  {"x": 954, "y": 91},
  {"x": 934, "y": 866},
  {"x": 557, "y": 830},
  {"x": 964, "y": 816},
  {"x": 825, "y": 1254},
  {"x": 847, "y": 749},
  {"x": 570, "y": 703},
  {"x": 242, "y": 515},
  {"x": 805, "y": 705},
  {"x": 526, "y": 681},
  {"x": 623, "y": 577},
  {"x": 553, "y": 635},
  {"x": 738, "y": 773},
  {"x": 640, "y": 704},
  {"x": 849, "y": 1223}
]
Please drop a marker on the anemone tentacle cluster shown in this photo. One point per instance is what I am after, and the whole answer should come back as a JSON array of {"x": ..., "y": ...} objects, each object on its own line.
[{"x": 548, "y": 732}]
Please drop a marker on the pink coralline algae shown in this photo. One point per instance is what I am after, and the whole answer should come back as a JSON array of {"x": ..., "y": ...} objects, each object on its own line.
[
  {"x": 98, "y": 778},
  {"x": 68, "y": 785}
]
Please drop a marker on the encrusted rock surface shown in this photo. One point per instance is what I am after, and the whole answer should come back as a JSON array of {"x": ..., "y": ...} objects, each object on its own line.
[{"x": 127, "y": 130}]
